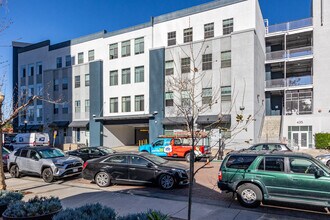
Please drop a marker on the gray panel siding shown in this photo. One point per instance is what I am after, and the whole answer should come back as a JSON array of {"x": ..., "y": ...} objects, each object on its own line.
[{"x": 157, "y": 91}]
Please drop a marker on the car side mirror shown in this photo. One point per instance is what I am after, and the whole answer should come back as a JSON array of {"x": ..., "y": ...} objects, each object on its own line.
[
  {"x": 150, "y": 165},
  {"x": 319, "y": 173}
]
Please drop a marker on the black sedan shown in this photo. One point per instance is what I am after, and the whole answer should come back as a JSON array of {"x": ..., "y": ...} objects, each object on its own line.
[
  {"x": 135, "y": 168},
  {"x": 87, "y": 153}
]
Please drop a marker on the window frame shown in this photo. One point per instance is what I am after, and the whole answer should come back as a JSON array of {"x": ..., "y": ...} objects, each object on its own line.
[
  {"x": 113, "y": 104},
  {"x": 126, "y": 48},
  {"x": 126, "y": 76},
  {"x": 207, "y": 61},
  {"x": 225, "y": 59},
  {"x": 139, "y": 103},
  {"x": 126, "y": 102},
  {"x": 91, "y": 55},
  {"x": 171, "y": 38},
  {"x": 77, "y": 81},
  {"x": 185, "y": 66},
  {"x": 138, "y": 45},
  {"x": 187, "y": 35},
  {"x": 139, "y": 74},
  {"x": 80, "y": 57},
  {"x": 113, "y": 48},
  {"x": 227, "y": 28},
  {"x": 113, "y": 79},
  {"x": 208, "y": 30}
]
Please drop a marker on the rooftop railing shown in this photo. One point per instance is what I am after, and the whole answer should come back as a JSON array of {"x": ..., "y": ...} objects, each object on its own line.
[{"x": 307, "y": 22}]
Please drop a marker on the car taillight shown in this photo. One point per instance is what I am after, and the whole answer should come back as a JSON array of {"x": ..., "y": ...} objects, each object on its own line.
[
  {"x": 6, "y": 157},
  {"x": 34, "y": 143},
  {"x": 202, "y": 149},
  {"x": 220, "y": 175},
  {"x": 85, "y": 165}
]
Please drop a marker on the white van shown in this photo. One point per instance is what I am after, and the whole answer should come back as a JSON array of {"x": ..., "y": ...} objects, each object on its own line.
[{"x": 29, "y": 139}]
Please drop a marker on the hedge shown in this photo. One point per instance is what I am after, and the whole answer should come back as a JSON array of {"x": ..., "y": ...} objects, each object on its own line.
[{"x": 322, "y": 140}]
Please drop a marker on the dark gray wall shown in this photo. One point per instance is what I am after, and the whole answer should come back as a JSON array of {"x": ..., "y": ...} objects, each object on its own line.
[
  {"x": 96, "y": 103},
  {"x": 156, "y": 92},
  {"x": 15, "y": 84}
]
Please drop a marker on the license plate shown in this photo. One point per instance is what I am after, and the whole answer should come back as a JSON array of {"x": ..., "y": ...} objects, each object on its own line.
[{"x": 75, "y": 170}]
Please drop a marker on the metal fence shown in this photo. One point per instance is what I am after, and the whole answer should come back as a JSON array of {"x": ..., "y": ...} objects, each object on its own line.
[
  {"x": 289, "y": 82},
  {"x": 292, "y": 53},
  {"x": 307, "y": 22}
]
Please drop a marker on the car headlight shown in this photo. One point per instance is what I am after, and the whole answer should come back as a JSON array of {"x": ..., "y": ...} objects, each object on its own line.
[{"x": 180, "y": 172}]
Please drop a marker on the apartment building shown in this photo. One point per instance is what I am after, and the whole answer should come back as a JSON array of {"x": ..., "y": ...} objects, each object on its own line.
[{"x": 111, "y": 88}]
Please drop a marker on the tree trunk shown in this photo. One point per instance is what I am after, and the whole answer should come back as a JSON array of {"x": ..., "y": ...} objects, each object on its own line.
[{"x": 3, "y": 185}]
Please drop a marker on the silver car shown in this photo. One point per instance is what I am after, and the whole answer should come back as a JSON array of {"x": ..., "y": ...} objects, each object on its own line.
[
  {"x": 324, "y": 158},
  {"x": 48, "y": 162}
]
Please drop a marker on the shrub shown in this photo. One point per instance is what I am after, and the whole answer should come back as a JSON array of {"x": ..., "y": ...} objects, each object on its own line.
[
  {"x": 322, "y": 141},
  {"x": 7, "y": 197},
  {"x": 36, "y": 206},
  {"x": 149, "y": 215},
  {"x": 87, "y": 212}
]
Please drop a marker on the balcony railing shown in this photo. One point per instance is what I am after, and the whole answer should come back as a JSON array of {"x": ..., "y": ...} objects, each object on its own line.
[
  {"x": 293, "y": 53},
  {"x": 289, "y": 82},
  {"x": 307, "y": 22}
]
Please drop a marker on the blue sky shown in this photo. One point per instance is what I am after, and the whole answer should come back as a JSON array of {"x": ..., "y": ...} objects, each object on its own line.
[{"x": 60, "y": 20}]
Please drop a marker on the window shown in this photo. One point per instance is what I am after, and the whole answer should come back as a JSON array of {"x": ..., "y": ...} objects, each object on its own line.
[
  {"x": 301, "y": 165},
  {"x": 64, "y": 83},
  {"x": 126, "y": 104},
  {"x": 139, "y": 161},
  {"x": 185, "y": 100},
  {"x": 56, "y": 107},
  {"x": 171, "y": 38},
  {"x": 34, "y": 155},
  {"x": 59, "y": 62},
  {"x": 227, "y": 26},
  {"x": 226, "y": 59},
  {"x": 240, "y": 162},
  {"x": 80, "y": 58},
  {"x": 226, "y": 93},
  {"x": 56, "y": 84},
  {"x": 272, "y": 164},
  {"x": 31, "y": 91},
  {"x": 139, "y": 45},
  {"x": 86, "y": 79},
  {"x": 114, "y": 78},
  {"x": 87, "y": 105},
  {"x": 78, "y": 135},
  {"x": 207, "y": 62},
  {"x": 169, "y": 67},
  {"x": 77, "y": 106},
  {"x": 91, "y": 55},
  {"x": 206, "y": 96},
  {"x": 23, "y": 71},
  {"x": 126, "y": 76},
  {"x": 39, "y": 113},
  {"x": 113, "y": 51},
  {"x": 65, "y": 108},
  {"x": 169, "y": 99},
  {"x": 116, "y": 159},
  {"x": 139, "y": 74},
  {"x": 208, "y": 30},
  {"x": 139, "y": 103},
  {"x": 299, "y": 102},
  {"x": 67, "y": 60},
  {"x": 185, "y": 65},
  {"x": 187, "y": 35},
  {"x": 24, "y": 153},
  {"x": 31, "y": 70},
  {"x": 113, "y": 105},
  {"x": 126, "y": 48},
  {"x": 77, "y": 81},
  {"x": 39, "y": 68}
]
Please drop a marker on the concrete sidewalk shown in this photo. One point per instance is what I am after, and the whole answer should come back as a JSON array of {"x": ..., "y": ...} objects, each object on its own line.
[{"x": 74, "y": 195}]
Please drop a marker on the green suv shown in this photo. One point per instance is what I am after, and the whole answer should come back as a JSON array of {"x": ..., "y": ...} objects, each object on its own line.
[{"x": 277, "y": 176}]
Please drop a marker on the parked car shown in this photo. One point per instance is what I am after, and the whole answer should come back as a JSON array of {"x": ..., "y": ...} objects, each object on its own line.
[
  {"x": 29, "y": 139},
  {"x": 324, "y": 158},
  {"x": 48, "y": 162},
  {"x": 87, "y": 153},
  {"x": 257, "y": 176},
  {"x": 7, "y": 138},
  {"x": 174, "y": 147},
  {"x": 270, "y": 146},
  {"x": 136, "y": 168},
  {"x": 5, "y": 156}
]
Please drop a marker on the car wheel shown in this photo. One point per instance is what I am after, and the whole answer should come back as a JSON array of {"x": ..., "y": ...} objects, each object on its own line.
[
  {"x": 249, "y": 195},
  {"x": 187, "y": 157},
  {"x": 103, "y": 179},
  {"x": 166, "y": 181},
  {"x": 47, "y": 175},
  {"x": 14, "y": 171},
  {"x": 328, "y": 163}
]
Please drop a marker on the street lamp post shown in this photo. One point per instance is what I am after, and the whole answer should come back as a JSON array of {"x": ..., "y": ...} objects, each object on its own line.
[
  {"x": 25, "y": 125},
  {"x": 2, "y": 175}
]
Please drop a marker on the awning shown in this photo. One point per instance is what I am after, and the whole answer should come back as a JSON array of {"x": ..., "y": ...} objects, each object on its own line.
[
  {"x": 78, "y": 124},
  {"x": 58, "y": 124},
  {"x": 175, "y": 121},
  {"x": 210, "y": 119},
  {"x": 35, "y": 127},
  {"x": 125, "y": 119}
]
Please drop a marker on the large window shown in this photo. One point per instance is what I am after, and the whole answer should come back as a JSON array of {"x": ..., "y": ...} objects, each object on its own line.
[
  {"x": 86, "y": 79},
  {"x": 77, "y": 106},
  {"x": 113, "y": 51},
  {"x": 185, "y": 98},
  {"x": 77, "y": 81},
  {"x": 240, "y": 162},
  {"x": 126, "y": 76},
  {"x": 80, "y": 58},
  {"x": 59, "y": 62},
  {"x": 114, "y": 78},
  {"x": 206, "y": 96},
  {"x": 169, "y": 67},
  {"x": 39, "y": 68},
  {"x": 228, "y": 26},
  {"x": 55, "y": 109},
  {"x": 299, "y": 102},
  {"x": 208, "y": 30},
  {"x": 139, "y": 103},
  {"x": 139, "y": 74},
  {"x": 64, "y": 83},
  {"x": 113, "y": 105},
  {"x": 207, "y": 62},
  {"x": 67, "y": 60},
  {"x": 187, "y": 35},
  {"x": 139, "y": 45},
  {"x": 272, "y": 164},
  {"x": 226, "y": 59},
  {"x": 86, "y": 105},
  {"x": 91, "y": 55},
  {"x": 185, "y": 65},
  {"x": 302, "y": 166},
  {"x": 126, "y": 104},
  {"x": 171, "y": 38},
  {"x": 169, "y": 99},
  {"x": 31, "y": 70},
  {"x": 126, "y": 48}
]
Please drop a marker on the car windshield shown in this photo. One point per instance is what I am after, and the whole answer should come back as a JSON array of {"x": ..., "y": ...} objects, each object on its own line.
[
  {"x": 322, "y": 165},
  {"x": 155, "y": 159},
  {"x": 5, "y": 151},
  {"x": 107, "y": 150},
  {"x": 51, "y": 153}
]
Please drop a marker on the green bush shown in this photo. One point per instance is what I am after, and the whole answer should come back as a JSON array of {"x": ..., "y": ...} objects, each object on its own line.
[
  {"x": 7, "y": 197},
  {"x": 322, "y": 140},
  {"x": 149, "y": 215}
]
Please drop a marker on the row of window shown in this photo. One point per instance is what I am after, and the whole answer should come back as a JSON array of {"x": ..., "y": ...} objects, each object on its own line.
[
  {"x": 126, "y": 76},
  {"x": 64, "y": 84},
  {"x": 126, "y": 48},
  {"x": 77, "y": 106},
  {"x": 69, "y": 59},
  {"x": 77, "y": 80},
  {"x": 30, "y": 69},
  {"x": 126, "y": 104},
  {"x": 57, "y": 107},
  {"x": 207, "y": 62},
  {"x": 227, "y": 28}
]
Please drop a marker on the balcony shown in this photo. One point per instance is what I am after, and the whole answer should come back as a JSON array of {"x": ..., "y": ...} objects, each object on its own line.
[
  {"x": 288, "y": 54},
  {"x": 289, "y": 82},
  {"x": 293, "y": 25}
]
